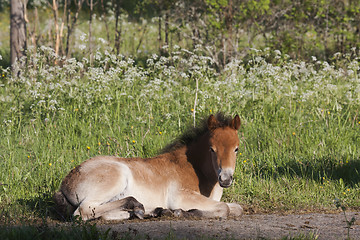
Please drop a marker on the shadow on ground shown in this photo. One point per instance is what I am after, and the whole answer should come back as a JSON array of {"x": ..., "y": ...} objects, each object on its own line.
[{"x": 318, "y": 169}]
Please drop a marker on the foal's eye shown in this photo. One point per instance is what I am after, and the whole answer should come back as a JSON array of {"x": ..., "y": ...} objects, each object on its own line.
[
  {"x": 236, "y": 150},
  {"x": 212, "y": 150}
]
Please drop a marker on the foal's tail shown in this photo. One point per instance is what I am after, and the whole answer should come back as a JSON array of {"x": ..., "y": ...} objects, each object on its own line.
[{"x": 63, "y": 207}]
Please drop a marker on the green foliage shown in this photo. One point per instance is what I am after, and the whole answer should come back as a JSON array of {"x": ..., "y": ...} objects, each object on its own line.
[
  {"x": 255, "y": 8},
  {"x": 228, "y": 29},
  {"x": 4, "y": 4},
  {"x": 317, "y": 28}
]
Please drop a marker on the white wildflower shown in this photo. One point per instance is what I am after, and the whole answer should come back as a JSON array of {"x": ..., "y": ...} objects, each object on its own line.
[
  {"x": 163, "y": 60},
  {"x": 98, "y": 56},
  {"x": 80, "y": 65},
  {"x": 184, "y": 75},
  {"x": 336, "y": 55},
  {"x": 122, "y": 64},
  {"x": 83, "y": 36},
  {"x": 82, "y": 47},
  {"x": 277, "y": 52},
  {"x": 103, "y": 41},
  {"x": 108, "y": 98},
  {"x": 53, "y": 102}
]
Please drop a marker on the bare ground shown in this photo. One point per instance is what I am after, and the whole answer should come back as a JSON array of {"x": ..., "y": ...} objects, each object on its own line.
[{"x": 325, "y": 226}]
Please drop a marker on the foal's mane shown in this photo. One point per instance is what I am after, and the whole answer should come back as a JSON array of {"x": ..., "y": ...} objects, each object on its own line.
[{"x": 191, "y": 134}]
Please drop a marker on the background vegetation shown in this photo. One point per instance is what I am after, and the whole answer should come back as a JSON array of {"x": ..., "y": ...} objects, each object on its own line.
[
  {"x": 136, "y": 75},
  {"x": 226, "y": 29}
]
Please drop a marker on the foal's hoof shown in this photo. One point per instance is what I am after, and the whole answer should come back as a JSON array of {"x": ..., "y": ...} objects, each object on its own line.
[
  {"x": 178, "y": 213},
  {"x": 161, "y": 212},
  {"x": 166, "y": 213},
  {"x": 139, "y": 213},
  {"x": 157, "y": 212}
]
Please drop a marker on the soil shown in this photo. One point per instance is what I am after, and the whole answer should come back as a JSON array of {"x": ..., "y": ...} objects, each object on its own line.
[{"x": 325, "y": 226}]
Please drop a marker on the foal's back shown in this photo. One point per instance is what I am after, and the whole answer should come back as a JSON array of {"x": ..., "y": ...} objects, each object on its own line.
[{"x": 151, "y": 181}]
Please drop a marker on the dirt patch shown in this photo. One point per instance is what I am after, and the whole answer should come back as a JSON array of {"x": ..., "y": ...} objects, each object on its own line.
[{"x": 257, "y": 226}]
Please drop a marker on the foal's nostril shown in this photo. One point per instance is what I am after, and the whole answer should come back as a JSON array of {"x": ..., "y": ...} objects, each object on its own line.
[{"x": 225, "y": 180}]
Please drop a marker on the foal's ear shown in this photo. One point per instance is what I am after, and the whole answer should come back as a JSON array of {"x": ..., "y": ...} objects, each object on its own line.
[
  {"x": 235, "y": 123},
  {"x": 212, "y": 123}
]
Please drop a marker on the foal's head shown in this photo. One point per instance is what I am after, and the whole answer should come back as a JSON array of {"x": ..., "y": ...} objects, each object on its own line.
[{"x": 224, "y": 145}]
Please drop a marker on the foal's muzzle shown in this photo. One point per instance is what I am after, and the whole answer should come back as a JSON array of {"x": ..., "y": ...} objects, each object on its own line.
[{"x": 225, "y": 178}]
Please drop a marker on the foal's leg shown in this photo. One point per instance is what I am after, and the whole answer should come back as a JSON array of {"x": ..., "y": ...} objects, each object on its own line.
[
  {"x": 116, "y": 210},
  {"x": 235, "y": 209},
  {"x": 201, "y": 206}
]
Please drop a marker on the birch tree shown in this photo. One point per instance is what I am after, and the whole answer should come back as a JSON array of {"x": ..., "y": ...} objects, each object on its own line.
[{"x": 17, "y": 30}]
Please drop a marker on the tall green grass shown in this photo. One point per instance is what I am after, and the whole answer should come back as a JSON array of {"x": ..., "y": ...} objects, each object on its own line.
[{"x": 300, "y": 130}]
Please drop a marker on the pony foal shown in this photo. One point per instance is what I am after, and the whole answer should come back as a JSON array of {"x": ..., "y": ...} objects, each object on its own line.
[{"x": 188, "y": 178}]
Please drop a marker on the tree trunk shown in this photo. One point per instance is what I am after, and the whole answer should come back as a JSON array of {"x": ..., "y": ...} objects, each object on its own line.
[
  {"x": 167, "y": 29},
  {"x": 159, "y": 34},
  {"x": 72, "y": 25},
  {"x": 103, "y": 16},
  {"x": 62, "y": 27},
  {"x": 118, "y": 27},
  {"x": 55, "y": 6},
  {"x": 326, "y": 33},
  {"x": 17, "y": 30},
  {"x": 91, "y": 5},
  {"x": 229, "y": 28},
  {"x": 141, "y": 38}
]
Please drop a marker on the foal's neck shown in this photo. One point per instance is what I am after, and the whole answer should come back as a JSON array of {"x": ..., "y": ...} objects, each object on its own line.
[{"x": 198, "y": 154}]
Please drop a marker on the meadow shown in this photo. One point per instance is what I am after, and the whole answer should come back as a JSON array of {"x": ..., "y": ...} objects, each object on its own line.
[{"x": 300, "y": 130}]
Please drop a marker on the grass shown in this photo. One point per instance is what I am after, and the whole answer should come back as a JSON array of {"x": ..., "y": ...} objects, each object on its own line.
[{"x": 299, "y": 136}]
